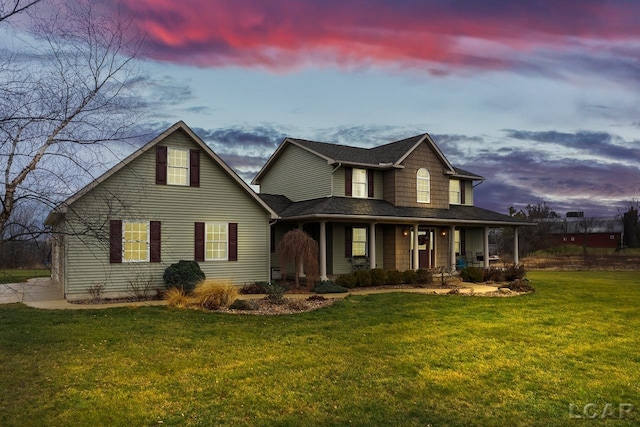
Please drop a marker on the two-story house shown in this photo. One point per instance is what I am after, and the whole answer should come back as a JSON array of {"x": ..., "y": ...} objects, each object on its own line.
[
  {"x": 173, "y": 199},
  {"x": 400, "y": 206}
]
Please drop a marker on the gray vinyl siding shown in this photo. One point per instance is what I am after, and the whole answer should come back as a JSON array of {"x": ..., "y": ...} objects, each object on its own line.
[
  {"x": 468, "y": 193},
  {"x": 131, "y": 194},
  {"x": 298, "y": 174},
  {"x": 342, "y": 265},
  {"x": 378, "y": 183}
]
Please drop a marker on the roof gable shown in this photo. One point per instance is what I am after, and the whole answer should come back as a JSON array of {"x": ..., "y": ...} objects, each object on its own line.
[
  {"x": 385, "y": 156},
  {"x": 179, "y": 126}
]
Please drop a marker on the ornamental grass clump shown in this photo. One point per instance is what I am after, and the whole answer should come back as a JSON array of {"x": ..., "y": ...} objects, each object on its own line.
[
  {"x": 212, "y": 294},
  {"x": 176, "y": 297}
]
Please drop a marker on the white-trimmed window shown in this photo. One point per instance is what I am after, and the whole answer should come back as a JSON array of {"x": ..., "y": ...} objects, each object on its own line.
[
  {"x": 359, "y": 183},
  {"x": 455, "y": 192},
  {"x": 135, "y": 241},
  {"x": 177, "y": 166},
  {"x": 423, "y": 185},
  {"x": 359, "y": 242},
  {"x": 216, "y": 241}
]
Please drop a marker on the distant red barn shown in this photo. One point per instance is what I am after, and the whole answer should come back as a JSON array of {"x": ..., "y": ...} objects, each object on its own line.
[{"x": 589, "y": 232}]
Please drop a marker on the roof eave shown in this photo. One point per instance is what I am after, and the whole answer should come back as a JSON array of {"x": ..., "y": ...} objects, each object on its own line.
[{"x": 406, "y": 220}]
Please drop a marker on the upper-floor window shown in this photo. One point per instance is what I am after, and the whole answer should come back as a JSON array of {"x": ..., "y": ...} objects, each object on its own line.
[
  {"x": 359, "y": 183},
  {"x": 455, "y": 193},
  {"x": 423, "y": 185},
  {"x": 177, "y": 166}
]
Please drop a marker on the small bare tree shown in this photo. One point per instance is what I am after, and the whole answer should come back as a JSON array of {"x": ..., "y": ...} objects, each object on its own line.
[
  {"x": 299, "y": 247},
  {"x": 67, "y": 104}
]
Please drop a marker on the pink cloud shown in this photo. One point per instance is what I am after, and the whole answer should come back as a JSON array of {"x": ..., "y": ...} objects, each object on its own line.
[{"x": 280, "y": 34}]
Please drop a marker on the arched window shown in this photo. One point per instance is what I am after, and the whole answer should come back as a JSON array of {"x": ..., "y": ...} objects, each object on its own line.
[{"x": 423, "y": 185}]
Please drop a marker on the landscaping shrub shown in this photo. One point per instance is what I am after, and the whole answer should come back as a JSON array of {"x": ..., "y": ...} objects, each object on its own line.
[
  {"x": 254, "y": 288},
  {"x": 472, "y": 274},
  {"x": 183, "y": 274},
  {"x": 213, "y": 294},
  {"x": 514, "y": 272},
  {"x": 394, "y": 277},
  {"x": 410, "y": 277},
  {"x": 328, "y": 287},
  {"x": 244, "y": 304},
  {"x": 425, "y": 277},
  {"x": 520, "y": 286},
  {"x": 176, "y": 298},
  {"x": 346, "y": 280},
  {"x": 493, "y": 275},
  {"x": 362, "y": 278},
  {"x": 275, "y": 291},
  {"x": 378, "y": 277}
]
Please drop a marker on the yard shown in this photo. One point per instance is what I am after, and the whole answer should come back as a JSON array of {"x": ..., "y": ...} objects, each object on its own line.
[{"x": 569, "y": 350}]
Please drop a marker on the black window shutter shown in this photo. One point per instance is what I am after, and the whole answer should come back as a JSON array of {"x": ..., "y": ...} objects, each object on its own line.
[
  {"x": 348, "y": 174},
  {"x": 115, "y": 241},
  {"x": 233, "y": 241},
  {"x": 199, "y": 242},
  {"x": 348, "y": 242},
  {"x": 194, "y": 169},
  {"x": 462, "y": 192},
  {"x": 370, "y": 183},
  {"x": 161, "y": 165},
  {"x": 155, "y": 240}
]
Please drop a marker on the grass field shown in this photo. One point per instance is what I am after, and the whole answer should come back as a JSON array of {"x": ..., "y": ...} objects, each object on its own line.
[
  {"x": 21, "y": 275},
  {"x": 390, "y": 359}
]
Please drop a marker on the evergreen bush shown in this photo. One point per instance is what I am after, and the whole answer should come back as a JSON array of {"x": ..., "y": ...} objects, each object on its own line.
[
  {"x": 328, "y": 287},
  {"x": 472, "y": 274},
  {"x": 183, "y": 275},
  {"x": 394, "y": 277},
  {"x": 410, "y": 277},
  {"x": 378, "y": 277}
]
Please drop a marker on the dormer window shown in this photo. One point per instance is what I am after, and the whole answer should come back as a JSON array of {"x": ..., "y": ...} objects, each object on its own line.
[
  {"x": 359, "y": 183},
  {"x": 423, "y": 186}
]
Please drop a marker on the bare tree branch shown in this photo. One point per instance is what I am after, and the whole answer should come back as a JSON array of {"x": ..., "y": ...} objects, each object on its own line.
[
  {"x": 9, "y": 8},
  {"x": 66, "y": 101}
]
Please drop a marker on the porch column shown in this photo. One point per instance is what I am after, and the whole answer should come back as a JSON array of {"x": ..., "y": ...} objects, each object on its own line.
[
  {"x": 516, "y": 257},
  {"x": 372, "y": 245},
  {"x": 452, "y": 247},
  {"x": 416, "y": 252},
  {"x": 486, "y": 247},
  {"x": 323, "y": 250}
]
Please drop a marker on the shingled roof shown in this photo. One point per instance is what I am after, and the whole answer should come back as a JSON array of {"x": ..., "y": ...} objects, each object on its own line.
[
  {"x": 385, "y": 156},
  {"x": 335, "y": 207}
]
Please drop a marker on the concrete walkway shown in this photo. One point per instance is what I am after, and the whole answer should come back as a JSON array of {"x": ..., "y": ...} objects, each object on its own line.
[{"x": 41, "y": 293}]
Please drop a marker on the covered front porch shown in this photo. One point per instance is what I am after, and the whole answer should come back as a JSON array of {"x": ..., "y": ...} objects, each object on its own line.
[{"x": 346, "y": 245}]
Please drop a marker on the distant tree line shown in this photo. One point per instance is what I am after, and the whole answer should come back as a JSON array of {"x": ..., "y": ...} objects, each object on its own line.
[{"x": 541, "y": 237}]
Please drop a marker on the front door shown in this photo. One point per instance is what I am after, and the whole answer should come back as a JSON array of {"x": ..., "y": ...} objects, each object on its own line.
[{"x": 426, "y": 252}]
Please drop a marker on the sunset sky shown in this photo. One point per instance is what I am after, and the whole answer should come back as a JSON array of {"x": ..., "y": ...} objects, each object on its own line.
[{"x": 540, "y": 97}]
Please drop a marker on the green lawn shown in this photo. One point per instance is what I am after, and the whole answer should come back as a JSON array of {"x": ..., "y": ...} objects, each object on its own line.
[
  {"x": 18, "y": 276},
  {"x": 390, "y": 359}
]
